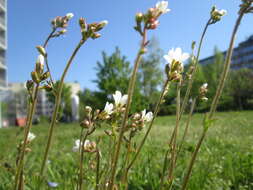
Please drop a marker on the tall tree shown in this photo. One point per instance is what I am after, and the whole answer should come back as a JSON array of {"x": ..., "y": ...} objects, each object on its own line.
[{"x": 113, "y": 74}]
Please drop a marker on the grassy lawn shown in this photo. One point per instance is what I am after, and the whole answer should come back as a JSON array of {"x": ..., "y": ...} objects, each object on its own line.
[{"x": 225, "y": 160}]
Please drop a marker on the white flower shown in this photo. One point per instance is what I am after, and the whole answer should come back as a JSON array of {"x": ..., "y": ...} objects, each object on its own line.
[
  {"x": 89, "y": 146},
  {"x": 41, "y": 59},
  {"x": 119, "y": 99},
  {"x": 31, "y": 136},
  {"x": 205, "y": 85},
  {"x": 76, "y": 146},
  {"x": 69, "y": 15},
  {"x": 52, "y": 184},
  {"x": 162, "y": 6},
  {"x": 221, "y": 12},
  {"x": 146, "y": 116},
  {"x": 176, "y": 55},
  {"x": 104, "y": 22},
  {"x": 204, "y": 99},
  {"x": 108, "y": 108}
]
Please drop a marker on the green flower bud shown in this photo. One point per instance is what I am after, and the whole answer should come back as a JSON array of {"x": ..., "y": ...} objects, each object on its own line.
[
  {"x": 35, "y": 77},
  {"x": 41, "y": 50}
]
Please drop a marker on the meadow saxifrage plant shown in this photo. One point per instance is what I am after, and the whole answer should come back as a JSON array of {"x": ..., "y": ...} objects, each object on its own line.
[{"x": 107, "y": 166}]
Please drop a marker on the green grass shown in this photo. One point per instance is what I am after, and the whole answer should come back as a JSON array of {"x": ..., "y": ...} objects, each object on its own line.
[{"x": 225, "y": 161}]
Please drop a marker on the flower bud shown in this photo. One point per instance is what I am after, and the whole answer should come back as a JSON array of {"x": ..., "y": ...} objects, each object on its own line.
[
  {"x": 69, "y": 16},
  {"x": 101, "y": 25},
  {"x": 48, "y": 87},
  {"x": 35, "y": 77},
  {"x": 45, "y": 76},
  {"x": 85, "y": 124},
  {"x": 82, "y": 23},
  {"x": 41, "y": 50},
  {"x": 88, "y": 109},
  {"x": 40, "y": 64},
  {"x": 62, "y": 31},
  {"x": 167, "y": 70},
  {"x": 139, "y": 17},
  {"x": 29, "y": 84},
  {"x": 95, "y": 35}
]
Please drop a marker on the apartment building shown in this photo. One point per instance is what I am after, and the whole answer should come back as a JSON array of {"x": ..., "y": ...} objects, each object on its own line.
[
  {"x": 17, "y": 105},
  {"x": 3, "y": 44},
  {"x": 242, "y": 55}
]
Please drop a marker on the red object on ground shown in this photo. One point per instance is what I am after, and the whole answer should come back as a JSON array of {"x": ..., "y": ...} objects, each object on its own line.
[{"x": 21, "y": 122}]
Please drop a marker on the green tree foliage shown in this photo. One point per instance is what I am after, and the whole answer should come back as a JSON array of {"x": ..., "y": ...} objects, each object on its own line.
[
  {"x": 65, "y": 108},
  {"x": 242, "y": 88},
  {"x": 113, "y": 73}
]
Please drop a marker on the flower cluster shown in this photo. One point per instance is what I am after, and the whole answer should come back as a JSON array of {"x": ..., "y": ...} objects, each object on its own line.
[
  {"x": 150, "y": 19},
  {"x": 246, "y": 6},
  {"x": 61, "y": 21},
  {"x": 138, "y": 121},
  {"x": 217, "y": 14},
  {"x": 118, "y": 106},
  {"x": 175, "y": 59},
  {"x": 202, "y": 91},
  {"x": 88, "y": 146},
  {"x": 91, "y": 30},
  {"x": 107, "y": 113}
]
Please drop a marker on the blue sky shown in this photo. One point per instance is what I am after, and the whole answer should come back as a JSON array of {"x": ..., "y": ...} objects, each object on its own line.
[{"x": 29, "y": 24}]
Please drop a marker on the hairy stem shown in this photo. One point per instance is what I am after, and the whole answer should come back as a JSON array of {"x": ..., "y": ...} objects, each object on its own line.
[
  {"x": 125, "y": 173},
  {"x": 189, "y": 87},
  {"x": 216, "y": 98},
  {"x": 187, "y": 125},
  {"x": 57, "y": 106},
  {"x": 174, "y": 141},
  {"x": 163, "y": 93},
  {"x": 46, "y": 60},
  {"x": 80, "y": 177},
  {"x": 27, "y": 130},
  {"x": 190, "y": 82},
  {"x": 128, "y": 105},
  {"x": 97, "y": 169}
]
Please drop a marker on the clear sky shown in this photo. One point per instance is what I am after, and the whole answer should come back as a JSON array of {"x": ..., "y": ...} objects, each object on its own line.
[{"x": 29, "y": 24}]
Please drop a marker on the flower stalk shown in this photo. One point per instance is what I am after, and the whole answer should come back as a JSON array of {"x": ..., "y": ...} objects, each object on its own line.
[
  {"x": 57, "y": 105},
  {"x": 173, "y": 148},
  {"x": 208, "y": 119},
  {"x": 128, "y": 105},
  {"x": 27, "y": 130},
  {"x": 30, "y": 115},
  {"x": 159, "y": 102}
]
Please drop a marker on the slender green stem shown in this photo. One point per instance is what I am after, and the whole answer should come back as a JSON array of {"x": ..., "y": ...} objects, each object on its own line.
[
  {"x": 31, "y": 112},
  {"x": 27, "y": 130},
  {"x": 163, "y": 93},
  {"x": 80, "y": 177},
  {"x": 215, "y": 100},
  {"x": 46, "y": 60},
  {"x": 190, "y": 82},
  {"x": 97, "y": 169},
  {"x": 164, "y": 168},
  {"x": 187, "y": 125},
  {"x": 225, "y": 69},
  {"x": 189, "y": 87},
  {"x": 174, "y": 144},
  {"x": 128, "y": 105},
  {"x": 57, "y": 106},
  {"x": 124, "y": 180},
  {"x": 193, "y": 158}
]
